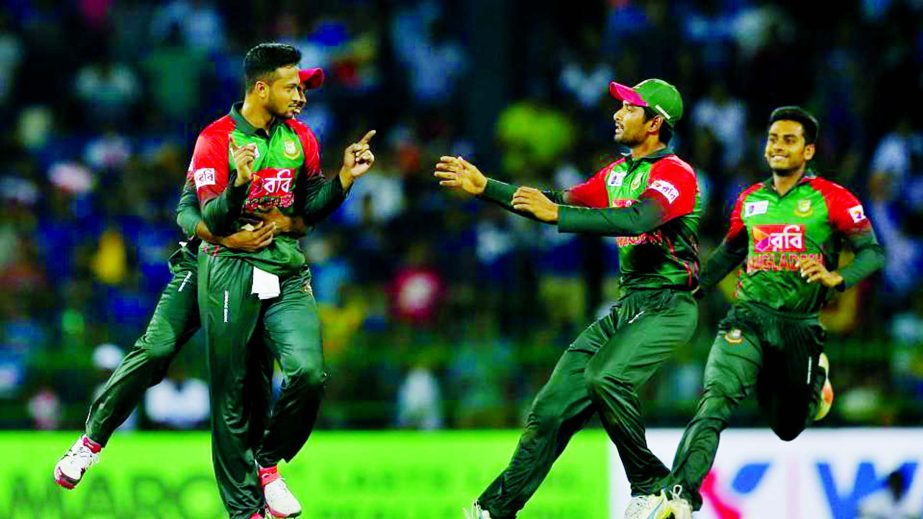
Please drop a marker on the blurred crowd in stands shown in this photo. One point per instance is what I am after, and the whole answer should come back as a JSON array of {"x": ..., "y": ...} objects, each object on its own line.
[{"x": 438, "y": 311}]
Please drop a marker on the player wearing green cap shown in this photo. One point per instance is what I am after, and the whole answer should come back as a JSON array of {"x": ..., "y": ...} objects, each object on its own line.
[
  {"x": 649, "y": 201},
  {"x": 786, "y": 231}
]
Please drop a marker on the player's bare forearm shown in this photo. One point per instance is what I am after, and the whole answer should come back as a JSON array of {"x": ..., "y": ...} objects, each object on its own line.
[
  {"x": 203, "y": 233},
  {"x": 297, "y": 227}
]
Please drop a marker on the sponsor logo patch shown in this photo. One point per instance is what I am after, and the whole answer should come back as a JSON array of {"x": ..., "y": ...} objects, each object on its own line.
[
  {"x": 204, "y": 177},
  {"x": 755, "y": 208},
  {"x": 616, "y": 178},
  {"x": 857, "y": 213},
  {"x": 778, "y": 238},
  {"x": 666, "y": 189},
  {"x": 270, "y": 187}
]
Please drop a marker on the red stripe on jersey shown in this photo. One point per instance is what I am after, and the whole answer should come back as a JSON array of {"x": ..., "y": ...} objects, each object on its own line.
[
  {"x": 844, "y": 210},
  {"x": 737, "y": 221},
  {"x": 672, "y": 182},
  {"x": 209, "y": 168},
  {"x": 673, "y": 253},
  {"x": 592, "y": 193}
]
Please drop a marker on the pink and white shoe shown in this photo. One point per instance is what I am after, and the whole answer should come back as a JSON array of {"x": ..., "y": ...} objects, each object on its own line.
[
  {"x": 280, "y": 502},
  {"x": 70, "y": 469}
]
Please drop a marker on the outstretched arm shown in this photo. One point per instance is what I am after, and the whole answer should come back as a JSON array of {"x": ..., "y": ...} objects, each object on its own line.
[{"x": 459, "y": 174}]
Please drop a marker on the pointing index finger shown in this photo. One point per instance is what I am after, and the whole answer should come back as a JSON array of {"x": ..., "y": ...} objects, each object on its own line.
[
  {"x": 367, "y": 137},
  {"x": 234, "y": 146}
]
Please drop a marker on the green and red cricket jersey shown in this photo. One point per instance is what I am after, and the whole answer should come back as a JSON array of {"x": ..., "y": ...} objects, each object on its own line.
[
  {"x": 665, "y": 256},
  {"x": 813, "y": 220},
  {"x": 286, "y": 175}
]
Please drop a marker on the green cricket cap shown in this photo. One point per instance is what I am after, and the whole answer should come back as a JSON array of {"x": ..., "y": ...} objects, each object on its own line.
[{"x": 656, "y": 94}]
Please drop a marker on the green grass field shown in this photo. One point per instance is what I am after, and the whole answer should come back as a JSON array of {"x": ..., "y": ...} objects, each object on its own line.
[{"x": 339, "y": 475}]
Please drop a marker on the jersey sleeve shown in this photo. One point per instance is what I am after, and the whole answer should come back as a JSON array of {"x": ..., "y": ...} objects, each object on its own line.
[
  {"x": 846, "y": 214},
  {"x": 674, "y": 186},
  {"x": 209, "y": 168},
  {"x": 847, "y": 218},
  {"x": 320, "y": 196},
  {"x": 733, "y": 249},
  {"x": 591, "y": 193},
  {"x": 188, "y": 215},
  {"x": 220, "y": 201},
  {"x": 737, "y": 231}
]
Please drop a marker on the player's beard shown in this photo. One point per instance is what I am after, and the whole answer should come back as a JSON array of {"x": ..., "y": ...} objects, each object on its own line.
[
  {"x": 287, "y": 111},
  {"x": 789, "y": 171},
  {"x": 785, "y": 172},
  {"x": 627, "y": 140}
]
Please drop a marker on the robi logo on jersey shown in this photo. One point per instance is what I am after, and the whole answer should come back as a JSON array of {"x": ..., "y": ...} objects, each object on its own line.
[
  {"x": 270, "y": 187},
  {"x": 778, "y": 238}
]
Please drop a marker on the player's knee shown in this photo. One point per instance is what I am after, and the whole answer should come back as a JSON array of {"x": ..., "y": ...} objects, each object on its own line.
[
  {"x": 545, "y": 416},
  {"x": 715, "y": 406},
  {"x": 309, "y": 379},
  {"x": 598, "y": 381},
  {"x": 157, "y": 350}
]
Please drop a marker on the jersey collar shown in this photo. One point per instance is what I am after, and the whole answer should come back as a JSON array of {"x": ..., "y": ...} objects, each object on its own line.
[
  {"x": 806, "y": 177},
  {"x": 248, "y": 129},
  {"x": 653, "y": 157}
]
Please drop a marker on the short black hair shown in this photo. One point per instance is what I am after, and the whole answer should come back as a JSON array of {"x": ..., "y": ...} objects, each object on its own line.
[
  {"x": 795, "y": 113},
  {"x": 261, "y": 61},
  {"x": 666, "y": 131}
]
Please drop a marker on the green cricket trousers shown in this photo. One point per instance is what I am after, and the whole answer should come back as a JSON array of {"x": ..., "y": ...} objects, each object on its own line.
[
  {"x": 756, "y": 347},
  {"x": 288, "y": 326},
  {"x": 175, "y": 321},
  {"x": 599, "y": 372}
]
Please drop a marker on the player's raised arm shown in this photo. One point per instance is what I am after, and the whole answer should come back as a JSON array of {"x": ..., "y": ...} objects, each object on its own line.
[
  {"x": 221, "y": 201},
  {"x": 323, "y": 196}
]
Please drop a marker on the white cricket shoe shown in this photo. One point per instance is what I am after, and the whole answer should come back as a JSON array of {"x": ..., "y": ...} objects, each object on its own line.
[
  {"x": 71, "y": 468},
  {"x": 655, "y": 506},
  {"x": 280, "y": 502},
  {"x": 681, "y": 508},
  {"x": 476, "y": 512},
  {"x": 826, "y": 394}
]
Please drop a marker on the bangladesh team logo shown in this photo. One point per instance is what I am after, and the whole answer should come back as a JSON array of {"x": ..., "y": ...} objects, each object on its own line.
[
  {"x": 804, "y": 208},
  {"x": 734, "y": 336},
  {"x": 636, "y": 183},
  {"x": 290, "y": 149}
]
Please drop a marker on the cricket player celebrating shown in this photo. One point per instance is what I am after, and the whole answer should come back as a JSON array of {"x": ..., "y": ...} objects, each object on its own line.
[
  {"x": 788, "y": 231},
  {"x": 648, "y": 200},
  {"x": 255, "y": 160},
  {"x": 175, "y": 321}
]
